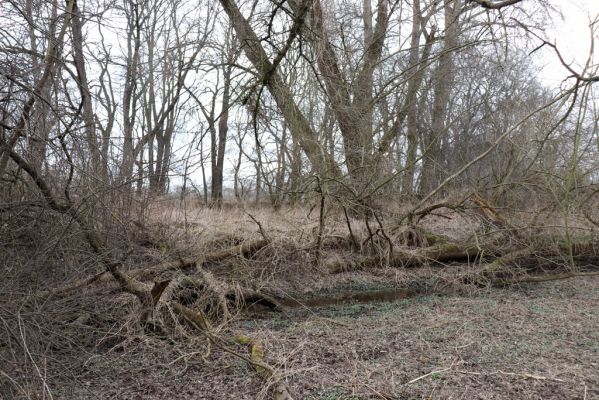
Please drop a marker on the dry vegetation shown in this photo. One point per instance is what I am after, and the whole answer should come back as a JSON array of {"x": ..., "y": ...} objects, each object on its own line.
[
  {"x": 249, "y": 307},
  {"x": 287, "y": 199}
]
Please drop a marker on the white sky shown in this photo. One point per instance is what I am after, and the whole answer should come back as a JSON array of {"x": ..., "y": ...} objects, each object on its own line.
[{"x": 572, "y": 37}]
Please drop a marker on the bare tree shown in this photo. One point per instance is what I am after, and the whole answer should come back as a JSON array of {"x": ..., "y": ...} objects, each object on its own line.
[{"x": 442, "y": 84}]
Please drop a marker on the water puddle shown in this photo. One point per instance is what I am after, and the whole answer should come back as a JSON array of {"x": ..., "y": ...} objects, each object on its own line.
[{"x": 386, "y": 295}]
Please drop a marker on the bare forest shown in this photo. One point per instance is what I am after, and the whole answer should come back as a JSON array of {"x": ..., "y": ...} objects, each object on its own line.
[{"x": 299, "y": 199}]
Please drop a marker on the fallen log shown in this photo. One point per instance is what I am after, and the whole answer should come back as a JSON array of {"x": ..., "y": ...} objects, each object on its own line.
[
  {"x": 445, "y": 252},
  {"x": 244, "y": 250},
  {"x": 485, "y": 275},
  {"x": 503, "y": 271},
  {"x": 541, "y": 278}
]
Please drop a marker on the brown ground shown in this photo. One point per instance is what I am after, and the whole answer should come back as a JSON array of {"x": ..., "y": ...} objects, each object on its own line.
[
  {"x": 535, "y": 341},
  {"x": 529, "y": 342}
]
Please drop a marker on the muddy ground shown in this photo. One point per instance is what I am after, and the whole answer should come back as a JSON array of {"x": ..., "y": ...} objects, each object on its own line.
[{"x": 538, "y": 341}]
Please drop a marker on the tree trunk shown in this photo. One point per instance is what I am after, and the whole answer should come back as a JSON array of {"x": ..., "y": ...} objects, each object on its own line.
[
  {"x": 87, "y": 111},
  {"x": 54, "y": 49},
  {"x": 237, "y": 168},
  {"x": 299, "y": 126},
  {"x": 442, "y": 83},
  {"x": 411, "y": 104},
  {"x": 353, "y": 104},
  {"x": 129, "y": 92},
  {"x": 223, "y": 127},
  {"x": 38, "y": 136}
]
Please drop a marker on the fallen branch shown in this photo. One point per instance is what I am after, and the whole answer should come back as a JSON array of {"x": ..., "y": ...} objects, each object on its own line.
[
  {"x": 244, "y": 250},
  {"x": 530, "y": 376},
  {"x": 429, "y": 374},
  {"x": 113, "y": 268},
  {"x": 256, "y": 358},
  {"x": 216, "y": 299},
  {"x": 71, "y": 287}
]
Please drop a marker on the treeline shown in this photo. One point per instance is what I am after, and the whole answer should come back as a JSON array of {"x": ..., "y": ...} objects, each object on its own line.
[{"x": 266, "y": 98}]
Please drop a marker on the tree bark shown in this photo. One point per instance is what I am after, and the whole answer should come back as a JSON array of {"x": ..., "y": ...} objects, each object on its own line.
[
  {"x": 409, "y": 108},
  {"x": 129, "y": 91},
  {"x": 6, "y": 146},
  {"x": 299, "y": 126},
  {"x": 352, "y": 107},
  {"x": 97, "y": 172},
  {"x": 220, "y": 147},
  {"x": 443, "y": 81}
]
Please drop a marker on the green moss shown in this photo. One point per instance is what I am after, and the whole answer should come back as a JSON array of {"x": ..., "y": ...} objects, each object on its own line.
[
  {"x": 538, "y": 309},
  {"x": 332, "y": 393},
  {"x": 373, "y": 309}
]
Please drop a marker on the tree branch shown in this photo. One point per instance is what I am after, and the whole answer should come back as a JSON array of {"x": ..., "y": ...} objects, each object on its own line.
[{"x": 495, "y": 5}]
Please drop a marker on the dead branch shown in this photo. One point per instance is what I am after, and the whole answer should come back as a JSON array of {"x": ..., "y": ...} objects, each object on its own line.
[
  {"x": 71, "y": 287},
  {"x": 495, "y": 5},
  {"x": 127, "y": 283},
  {"x": 487, "y": 210},
  {"x": 491, "y": 214},
  {"x": 421, "y": 214},
  {"x": 256, "y": 350},
  {"x": 214, "y": 298},
  {"x": 260, "y": 227},
  {"x": 244, "y": 295},
  {"x": 349, "y": 228}
]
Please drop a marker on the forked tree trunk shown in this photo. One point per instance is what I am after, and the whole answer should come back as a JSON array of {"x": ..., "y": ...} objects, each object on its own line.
[
  {"x": 432, "y": 168},
  {"x": 220, "y": 147},
  {"x": 299, "y": 126}
]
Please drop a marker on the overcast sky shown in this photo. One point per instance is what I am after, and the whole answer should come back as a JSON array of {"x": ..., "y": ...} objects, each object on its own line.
[{"x": 572, "y": 37}]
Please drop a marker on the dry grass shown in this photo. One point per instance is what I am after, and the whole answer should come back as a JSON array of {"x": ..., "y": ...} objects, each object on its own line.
[
  {"x": 488, "y": 344},
  {"x": 528, "y": 342}
]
